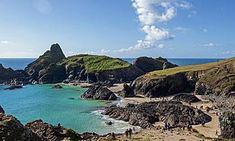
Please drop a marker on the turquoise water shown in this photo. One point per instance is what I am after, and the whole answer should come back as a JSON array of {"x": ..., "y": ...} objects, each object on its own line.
[{"x": 58, "y": 106}]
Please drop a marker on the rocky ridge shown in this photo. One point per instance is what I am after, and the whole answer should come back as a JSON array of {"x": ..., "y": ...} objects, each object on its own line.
[{"x": 146, "y": 114}]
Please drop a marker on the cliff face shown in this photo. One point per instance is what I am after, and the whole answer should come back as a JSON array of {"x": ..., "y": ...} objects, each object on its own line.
[{"x": 213, "y": 78}]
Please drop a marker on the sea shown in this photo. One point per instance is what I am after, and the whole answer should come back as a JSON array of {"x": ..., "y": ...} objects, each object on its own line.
[{"x": 64, "y": 106}]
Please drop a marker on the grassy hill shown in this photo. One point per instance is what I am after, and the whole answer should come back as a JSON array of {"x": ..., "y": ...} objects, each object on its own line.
[{"x": 95, "y": 63}]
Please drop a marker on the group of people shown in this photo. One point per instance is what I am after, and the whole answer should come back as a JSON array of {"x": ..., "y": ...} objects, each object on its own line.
[{"x": 128, "y": 133}]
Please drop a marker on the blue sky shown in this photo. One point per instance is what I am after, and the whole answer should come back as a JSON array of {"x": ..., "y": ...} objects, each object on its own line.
[{"x": 119, "y": 28}]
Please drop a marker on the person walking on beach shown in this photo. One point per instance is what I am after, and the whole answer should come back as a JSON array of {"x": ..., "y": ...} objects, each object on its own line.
[
  {"x": 130, "y": 132},
  {"x": 127, "y": 132}
]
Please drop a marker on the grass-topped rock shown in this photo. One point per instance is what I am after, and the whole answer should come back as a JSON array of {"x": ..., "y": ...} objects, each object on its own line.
[{"x": 217, "y": 78}]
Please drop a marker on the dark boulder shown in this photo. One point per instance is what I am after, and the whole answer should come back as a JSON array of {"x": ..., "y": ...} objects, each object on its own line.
[
  {"x": 146, "y": 114},
  {"x": 13, "y": 87},
  {"x": 12, "y": 130},
  {"x": 127, "y": 91},
  {"x": 148, "y": 64},
  {"x": 227, "y": 125},
  {"x": 1, "y": 110},
  {"x": 99, "y": 92},
  {"x": 57, "y": 86},
  {"x": 184, "y": 97}
]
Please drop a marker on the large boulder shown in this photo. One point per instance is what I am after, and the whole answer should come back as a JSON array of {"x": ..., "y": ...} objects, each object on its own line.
[
  {"x": 148, "y": 64},
  {"x": 99, "y": 92},
  {"x": 146, "y": 114},
  {"x": 1, "y": 110},
  {"x": 227, "y": 125},
  {"x": 12, "y": 130},
  {"x": 127, "y": 91},
  {"x": 43, "y": 66},
  {"x": 184, "y": 97}
]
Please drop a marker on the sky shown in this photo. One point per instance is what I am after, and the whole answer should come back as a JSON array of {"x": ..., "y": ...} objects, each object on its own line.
[{"x": 118, "y": 28}]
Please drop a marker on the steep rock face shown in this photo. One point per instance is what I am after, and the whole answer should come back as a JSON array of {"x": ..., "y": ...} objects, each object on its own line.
[
  {"x": 8, "y": 75},
  {"x": 189, "y": 98},
  {"x": 1, "y": 110},
  {"x": 12, "y": 130},
  {"x": 99, "y": 92},
  {"x": 49, "y": 132},
  {"x": 219, "y": 80},
  {"x": 148, "y": 64},
  {"x": 145, "y": 114},
  {"x": 41, "y": 66},
  {"x": 227, "y": 125}
]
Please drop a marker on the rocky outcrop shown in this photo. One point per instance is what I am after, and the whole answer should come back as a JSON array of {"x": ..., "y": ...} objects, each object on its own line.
[
  {"x": 162, "y": 86},
  {"x": 189, "y": 98},
  {"x": 99, "y": 92},
  {"x": 127, "y": 91},
  {"x": 1, "y": 110},
  {"x": 44, "y": 69},
  {"x": 12, "y": 130},
  {"x": 144, "y": 115},
  {"x": 214, "y": 78},
  {"x": 13, "y": 87},
  {"x": 10, "y": 76},
  {"x": 227, "y": 125},
  {"x": 148, "y": 64},
  {"x": 49, "y": 132}
]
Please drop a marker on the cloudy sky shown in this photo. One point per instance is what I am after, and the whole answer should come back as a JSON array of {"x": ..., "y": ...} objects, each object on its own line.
[{"x": 119, "y": 28}]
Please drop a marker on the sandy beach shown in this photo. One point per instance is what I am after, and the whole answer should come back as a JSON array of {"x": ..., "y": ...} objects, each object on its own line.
[{"x": 198, "y": 133}]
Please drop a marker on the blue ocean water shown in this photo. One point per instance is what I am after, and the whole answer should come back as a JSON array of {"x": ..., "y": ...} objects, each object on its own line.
[
  {"x": 55, "y": 106},
  {"x": 16, "y": 63}
]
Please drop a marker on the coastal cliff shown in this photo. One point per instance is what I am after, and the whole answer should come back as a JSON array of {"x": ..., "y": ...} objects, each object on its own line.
[
  {"x": 54, "y": 67},
  {"x": 212, "y": 78}
]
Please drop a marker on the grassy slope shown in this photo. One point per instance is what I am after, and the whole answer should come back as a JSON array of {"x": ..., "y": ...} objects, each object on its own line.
[
  {"x": 190, "y": 68},
  {"x": 95, "y": 63}
]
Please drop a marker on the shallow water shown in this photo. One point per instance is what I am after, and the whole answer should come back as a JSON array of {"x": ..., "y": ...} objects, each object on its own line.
[{"x": 58, "y": 106}]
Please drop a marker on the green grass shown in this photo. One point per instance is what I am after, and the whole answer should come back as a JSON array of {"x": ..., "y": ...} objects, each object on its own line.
[
  {"x": 95, "y": 63},
  {"x": 190, "y": 68}
]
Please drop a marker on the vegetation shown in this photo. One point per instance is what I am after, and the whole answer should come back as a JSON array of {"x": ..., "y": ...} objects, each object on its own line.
[
  {"x": 94, "y": 63},
  {"x": 190, "y": 68}
]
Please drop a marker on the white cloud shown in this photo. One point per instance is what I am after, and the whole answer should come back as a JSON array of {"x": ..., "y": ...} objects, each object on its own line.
[
  {"x": 209, "y": 45},
  {"x": 42, "y": 6},
  {"x": 4, "y": 42},
  {"x": 161, "y": 46},
  {"x": 152, "y": 12}
]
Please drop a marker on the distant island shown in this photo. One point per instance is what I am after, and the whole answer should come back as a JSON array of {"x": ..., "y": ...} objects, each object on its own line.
[{"x": 184, "y": 99}]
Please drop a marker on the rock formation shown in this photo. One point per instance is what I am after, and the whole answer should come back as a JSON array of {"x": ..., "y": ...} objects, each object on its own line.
[
  {"x": 189, "y": 98},
  {"x": 127, "y": 91},
  {"x": 144, "y": 115},
  {"x": 99, "y": 92},
  {"x": 1, "y": 110},
  {"x": 148, "y": 64},
  {"x": 212, "y": 78},
  {"x": 44, "y": 69},
  {"x": 227, "y": 125},
  {"x": 10, "y": 76}
]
